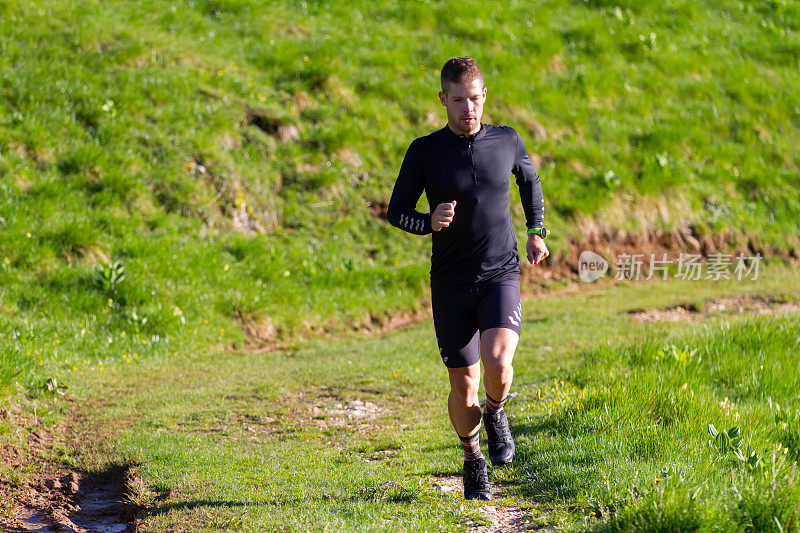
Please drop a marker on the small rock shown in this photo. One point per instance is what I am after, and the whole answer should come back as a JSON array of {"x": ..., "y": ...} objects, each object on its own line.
[
  {"x": 387, "y": 484},
  {"x": 288, "y": 132}
]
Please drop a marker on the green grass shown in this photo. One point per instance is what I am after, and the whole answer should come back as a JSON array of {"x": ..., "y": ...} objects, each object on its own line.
[
  {"x": 644, "y": 408},
  {"x": 242, "y": 441},
  {"x": 137, "y": 133}
]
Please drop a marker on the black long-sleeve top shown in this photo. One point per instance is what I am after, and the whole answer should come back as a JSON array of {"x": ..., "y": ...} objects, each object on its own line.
[{"x": 475, "y": 171}]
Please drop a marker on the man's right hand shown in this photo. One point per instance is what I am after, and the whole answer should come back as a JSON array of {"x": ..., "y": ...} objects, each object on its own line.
[{"x": 442, "y": 216}]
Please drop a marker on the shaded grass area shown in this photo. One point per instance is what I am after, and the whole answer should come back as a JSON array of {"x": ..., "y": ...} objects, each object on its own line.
[
  {"x": 236, "y": 155},
  {"x": 352, "y": 434}
]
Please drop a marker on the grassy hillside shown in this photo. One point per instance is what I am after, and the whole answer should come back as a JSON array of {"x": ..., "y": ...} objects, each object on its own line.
[{"x": 235, "y": 156}]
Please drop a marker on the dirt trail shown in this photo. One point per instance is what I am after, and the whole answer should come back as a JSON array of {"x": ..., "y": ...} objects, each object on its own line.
[{"x": 498, "y": 518}]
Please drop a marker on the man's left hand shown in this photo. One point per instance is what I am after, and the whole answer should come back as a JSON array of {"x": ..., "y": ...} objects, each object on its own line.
[{"x": 536, "y": 248}]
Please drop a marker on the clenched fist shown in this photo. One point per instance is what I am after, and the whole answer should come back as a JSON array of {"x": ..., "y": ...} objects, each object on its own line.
[
  {"x": 536, "y": 248},
  {"x": 442, "y": 216}
]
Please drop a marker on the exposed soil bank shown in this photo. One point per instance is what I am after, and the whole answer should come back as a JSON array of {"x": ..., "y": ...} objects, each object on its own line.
[
  {"x": 561, "y": 269},
  {"x": 615, "y": 244}
]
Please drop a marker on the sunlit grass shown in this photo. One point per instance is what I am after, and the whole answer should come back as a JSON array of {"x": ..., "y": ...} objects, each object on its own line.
[
  {"x": 632, "y": 448},
  {"x": 610, "y": 417},
  {"x": 136, "y": 134}
]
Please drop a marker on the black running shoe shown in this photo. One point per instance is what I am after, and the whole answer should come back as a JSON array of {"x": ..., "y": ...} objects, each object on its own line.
[
  {"x": 476, "y": 480},
  {"x": 501, "y": 444}
]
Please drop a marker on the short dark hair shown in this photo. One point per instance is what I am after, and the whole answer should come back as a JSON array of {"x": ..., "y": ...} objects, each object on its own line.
[{"x": 458, "y": 69}]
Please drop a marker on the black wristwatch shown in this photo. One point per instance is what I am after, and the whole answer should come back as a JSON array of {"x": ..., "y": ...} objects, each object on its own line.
[{"x": 541, "y": 232}]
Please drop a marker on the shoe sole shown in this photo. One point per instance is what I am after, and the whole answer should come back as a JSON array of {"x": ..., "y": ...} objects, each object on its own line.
[
  {"x": 502, "y": 463},
  {"x": 479, "y": 497},
  {"x": 494, "y": 461}
]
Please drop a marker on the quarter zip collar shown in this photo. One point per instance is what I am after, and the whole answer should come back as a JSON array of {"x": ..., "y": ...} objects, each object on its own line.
[{"x": 467, "y": 138}]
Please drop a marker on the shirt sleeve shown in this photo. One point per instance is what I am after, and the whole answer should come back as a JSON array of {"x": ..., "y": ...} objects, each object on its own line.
[
  {"x": 408, "y": 188},
  {"x": 530, "y": 188}
]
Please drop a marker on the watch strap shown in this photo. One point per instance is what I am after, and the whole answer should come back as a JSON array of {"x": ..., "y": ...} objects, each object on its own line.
[{"x": 537, "y": 231}]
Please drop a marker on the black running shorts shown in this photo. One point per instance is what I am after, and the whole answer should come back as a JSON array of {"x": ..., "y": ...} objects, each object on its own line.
[{"x": 461, "y": 315}]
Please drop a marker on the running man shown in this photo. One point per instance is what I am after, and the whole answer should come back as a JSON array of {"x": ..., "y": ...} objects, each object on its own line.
[{"x": 465, "y": 171}]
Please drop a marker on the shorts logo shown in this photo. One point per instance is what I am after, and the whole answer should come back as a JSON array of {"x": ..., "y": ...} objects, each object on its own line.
[{"x": 516, "y": 317}]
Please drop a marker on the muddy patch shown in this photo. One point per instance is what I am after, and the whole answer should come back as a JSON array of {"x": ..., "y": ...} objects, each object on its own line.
[
  {"x": 745, "y": 304},
  {"x": 47, "y": 496},
  {"x": 75, "y": 502}
]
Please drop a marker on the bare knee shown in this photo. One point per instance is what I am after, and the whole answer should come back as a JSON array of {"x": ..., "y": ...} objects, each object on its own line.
[
  {"x": 498, "y": 365},
  {"x": 464, "y": 389},
  {"x": 497, "y": 352}
]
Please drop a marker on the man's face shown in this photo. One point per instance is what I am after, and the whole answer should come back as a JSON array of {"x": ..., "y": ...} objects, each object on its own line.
[{"x": 464, "y": 102}]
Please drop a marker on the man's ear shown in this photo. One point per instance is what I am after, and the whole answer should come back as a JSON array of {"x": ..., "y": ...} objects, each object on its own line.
[
  {"x": 443, "y": 98},
  {"x": 484, "y": 92}
]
